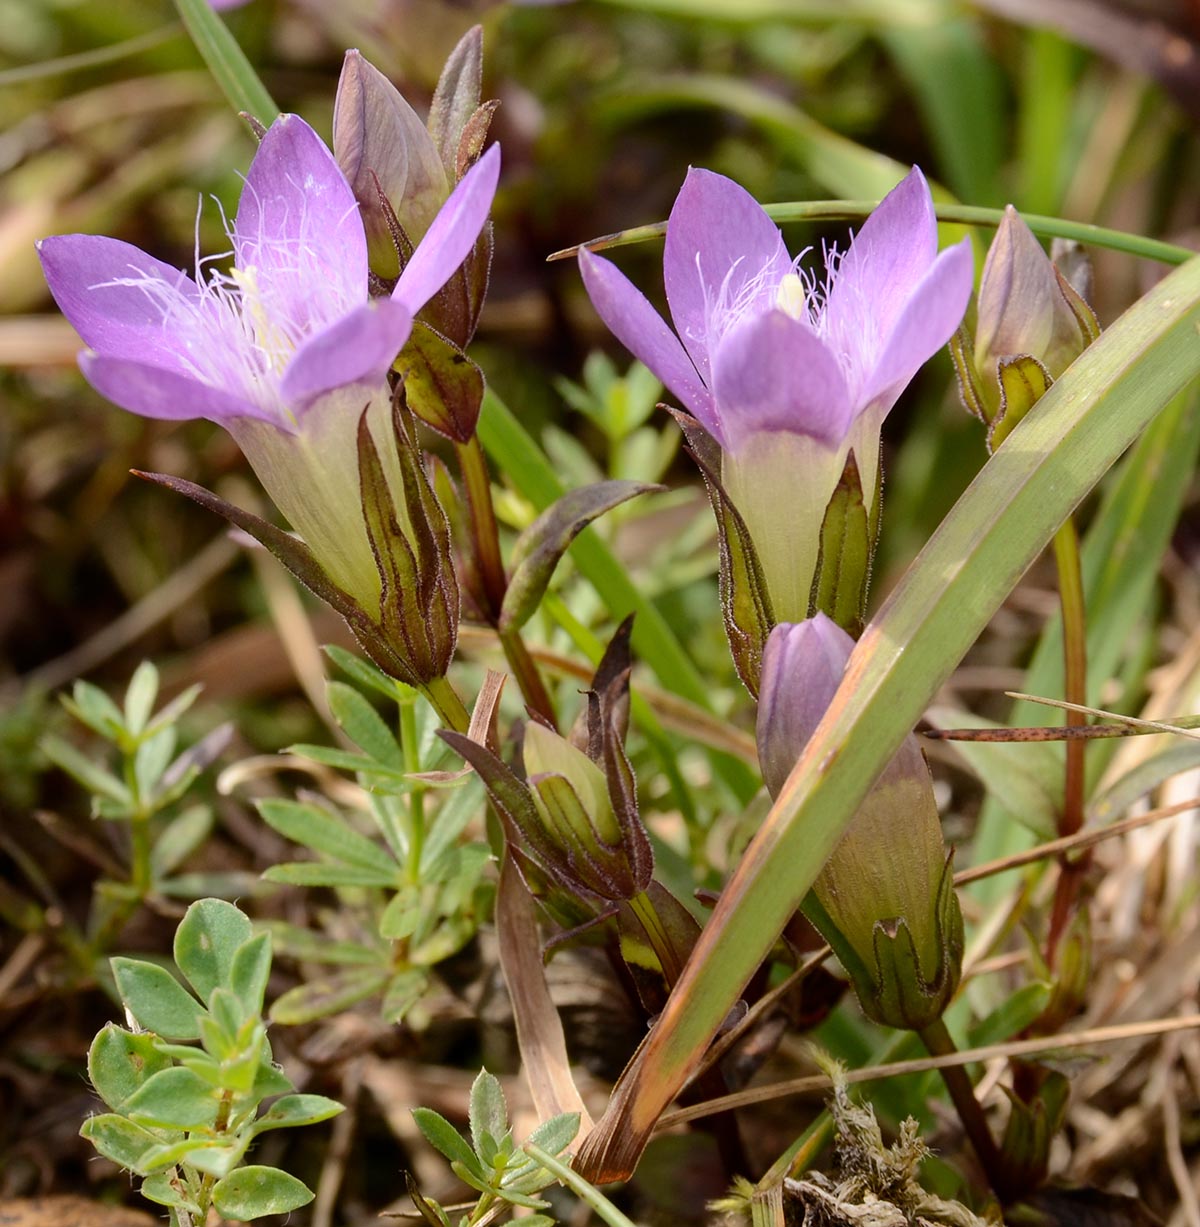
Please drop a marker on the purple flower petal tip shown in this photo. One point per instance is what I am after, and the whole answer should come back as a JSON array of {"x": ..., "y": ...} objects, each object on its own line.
[{"x": 452, "y": 234}]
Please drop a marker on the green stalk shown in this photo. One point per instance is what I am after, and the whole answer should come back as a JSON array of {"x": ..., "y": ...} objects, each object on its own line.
[
  {"x": 447, "y": 704},
  {"x": 1074, "y": 615},
  {"x": 484, "y": 532},
  {"x": 416, "y": 798},
  {"x": 937, "y": 1039},
  {"x": 1074, "y": 619},
  {"x": 586, "y": 1193},
  {"x": 485, "y": 540},
  {"x": 966, "y": 215},
  {"x": 528, "y": 675}
]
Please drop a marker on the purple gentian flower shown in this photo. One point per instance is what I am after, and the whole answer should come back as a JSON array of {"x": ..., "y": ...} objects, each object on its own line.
[
  {"x": 785, "y": 371},
  {"x": 286, "y": 350}
]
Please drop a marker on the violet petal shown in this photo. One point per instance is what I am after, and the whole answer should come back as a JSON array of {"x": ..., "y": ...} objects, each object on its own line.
[
  {"x": 359, "y": 348},
  {"x": 721, "y": 249},
  {"x": 774, "y": 373},
  {"x": 628, "y": 315},
  {"x": 926, "y": 323},
  {"x": 117, "y": 297},
  {"x": 877, "y": 275},
  {"x": 298, "y": 231},
  {"x": 156, "y": 392},
  {"x": 452, "y": 235}
]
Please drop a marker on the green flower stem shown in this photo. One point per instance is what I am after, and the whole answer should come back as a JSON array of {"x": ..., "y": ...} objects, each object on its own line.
[
  {"x": 416, "y": 798},
  {"x": 588, "y": 1194},
  {"x": 1074, "y": 618},
  {"x": 485, "y": 535},
  {"x": 528, "y": 676},
  {"x": 485, "y": 540},
  {"x": 1074, "y": 615},
  {"x": 967, "y": 215},
  {"x": 447, "y": 704},
  {"x": 937, "y": 1040}
]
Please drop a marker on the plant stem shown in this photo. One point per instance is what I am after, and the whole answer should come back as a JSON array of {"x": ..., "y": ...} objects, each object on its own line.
[
  {"x": 586, "y": 1192},
  {"x": 416, "y": 798},
  {"x": 447, "y": 704},
  {"x": 938, "y": 1041},
  {"x": 1074, "y": 618},
  {"x": 484, "y": 533},
  {"x": 528, "y": 675}
]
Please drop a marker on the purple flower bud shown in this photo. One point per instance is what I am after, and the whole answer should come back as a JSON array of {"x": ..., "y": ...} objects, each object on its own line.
[
  {"x": 1032, "y": 324},
  {"x": 886, "y": 892}
]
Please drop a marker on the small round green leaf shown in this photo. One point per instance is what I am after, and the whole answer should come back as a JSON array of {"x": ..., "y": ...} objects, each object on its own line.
[
  {"x": 207, "y": 940},
  {"x": 157, "y": 1000},
  {"x": 251, "y": 1192},
  {"x": 176, "y": 1098},
  {"x": 119, "y": 1062},
  {"x": 294, "y": 1110}
]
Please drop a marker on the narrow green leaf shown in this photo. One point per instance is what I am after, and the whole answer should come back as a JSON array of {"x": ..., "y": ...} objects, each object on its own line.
[
  {"x": 140, "y": 696},
  {"x": 157, "y": 1000},
  {"x": 488, "y": 1113},
  {"x": 92, "y": 776},
  {"x": 199, "y": 1151},
  {"x": 315, "y": 828},
  {"x": 1012, "y": 1016},
  {"x": 539, "y": 548},
  {"x": 250, "y": 972},
  {"x": 252, "y": 1192},
  {"x": 206, "y": 941},
  {"x": 320, "y": 998},
  {"x": 557, "y": 1133},
  {"x": 443, "y": 1137},
  {"x": 519, "y": 457},
  {"x": 179, "y": 839},
  {"x": 90, "y": 705},
  {"x": 307, "y": 946},
  {"x": 403, "y": 991},
  {"x": 363, "y": 724},
  {"x": 226, "y": 61},
  {"x": 315, "y": 873},
  {"x": 365, "y": 674},
  {"x": 1113, "y": 802}
]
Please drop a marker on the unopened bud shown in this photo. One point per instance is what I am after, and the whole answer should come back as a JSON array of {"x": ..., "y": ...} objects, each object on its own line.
[
  {"x": 1031, "y": 325},
  {"x": 886, "y": 900}
]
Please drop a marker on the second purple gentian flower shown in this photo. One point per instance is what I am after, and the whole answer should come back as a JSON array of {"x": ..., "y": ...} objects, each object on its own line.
[{"x": 788, "y": 371}]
